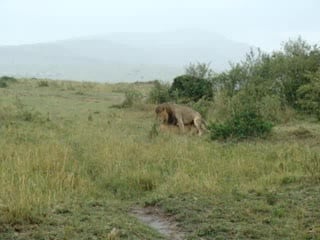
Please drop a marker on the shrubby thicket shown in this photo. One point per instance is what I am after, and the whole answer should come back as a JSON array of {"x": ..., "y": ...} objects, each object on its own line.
[{"x": 266, "y": 88}]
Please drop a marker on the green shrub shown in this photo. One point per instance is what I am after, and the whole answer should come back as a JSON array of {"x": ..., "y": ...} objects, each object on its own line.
[
  {"x": 240, "y": 126},
  {"x": 8, "y": 79},
  {"x": 220, "y": 131},
  {"x": 5, "y": 80},
  {"x": 159, "y": 93},
  {"x": 269, "y": 107},
  {"x": 202, "y": 106},
  {"x": 199, "y": 70},
  {"x": 3, "y": 84},
  {"x": 309, "y": 95},
  {"x": 281, "y": 73},
  {"x": 191, "y": 88}
]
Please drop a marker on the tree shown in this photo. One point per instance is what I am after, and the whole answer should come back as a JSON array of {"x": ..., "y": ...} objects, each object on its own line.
[
  {"x": 199, "y": 70},
  {"x": 281, "y": 73},
  {"x": 298, "y": 59}
]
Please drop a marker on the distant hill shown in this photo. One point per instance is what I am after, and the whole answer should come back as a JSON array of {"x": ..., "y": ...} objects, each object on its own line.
[{"x": 121, "y": 56}]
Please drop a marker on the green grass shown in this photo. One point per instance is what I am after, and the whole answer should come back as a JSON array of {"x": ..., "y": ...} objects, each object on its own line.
[{"x": 71, "y": 167}]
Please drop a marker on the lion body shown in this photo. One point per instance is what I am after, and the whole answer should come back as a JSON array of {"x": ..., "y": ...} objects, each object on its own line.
[
  {"x": 175, "y": 128},
  {"x": 174, "y": 114}
]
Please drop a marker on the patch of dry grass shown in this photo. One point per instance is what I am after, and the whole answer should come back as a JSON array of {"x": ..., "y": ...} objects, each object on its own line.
[{"x": 87, "y": 149}]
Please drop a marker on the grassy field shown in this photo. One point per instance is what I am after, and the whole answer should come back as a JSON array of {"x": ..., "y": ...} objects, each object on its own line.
[{"x": 72, "y": 166}]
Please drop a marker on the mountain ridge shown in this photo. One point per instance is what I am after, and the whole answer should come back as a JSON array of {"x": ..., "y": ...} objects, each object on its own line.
[{"x": 120, "y": 56}]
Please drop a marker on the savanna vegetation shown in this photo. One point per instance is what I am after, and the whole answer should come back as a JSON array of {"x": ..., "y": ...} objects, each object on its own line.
[{"x": 77, "y": 156}]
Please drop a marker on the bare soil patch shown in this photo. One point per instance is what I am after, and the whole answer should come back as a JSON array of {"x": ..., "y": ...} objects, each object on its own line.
[{"x": 154, "y": 218}]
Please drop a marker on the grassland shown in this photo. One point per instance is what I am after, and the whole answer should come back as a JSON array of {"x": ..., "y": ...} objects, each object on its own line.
[{"x": 72, "y": 166}]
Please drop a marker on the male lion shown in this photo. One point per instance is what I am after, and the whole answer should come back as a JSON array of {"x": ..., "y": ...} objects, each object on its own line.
[
  {"x": 174, "y": 114},
  {"x": 169, "y": 128}
]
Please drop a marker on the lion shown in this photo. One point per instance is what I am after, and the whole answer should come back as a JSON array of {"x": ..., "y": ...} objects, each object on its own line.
[
  {"x": 174, "y": 114},
  {"x": 169, "y": 128}
]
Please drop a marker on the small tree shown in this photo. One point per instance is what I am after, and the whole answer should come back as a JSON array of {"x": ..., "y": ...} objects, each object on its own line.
[
  {"x": 199, "y": 70},
  {"x": 298, "y": 59},
  {"x": 159, "y": 93}
]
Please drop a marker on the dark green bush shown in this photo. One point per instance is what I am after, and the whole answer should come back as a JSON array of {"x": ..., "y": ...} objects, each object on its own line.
[
  {"x": 191, "y": 88},
  {"x": 241, "y": 126},
  {"x": 5, "y": 80},
  {"x": 8, "y": 79},
  {"x": 3, "y": 84}
]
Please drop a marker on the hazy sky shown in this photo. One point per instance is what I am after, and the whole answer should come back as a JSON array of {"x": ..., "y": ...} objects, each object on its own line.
[{"x": 262, "y": 23}]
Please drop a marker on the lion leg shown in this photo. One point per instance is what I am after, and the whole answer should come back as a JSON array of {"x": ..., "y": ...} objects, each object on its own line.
[
  {"x": 197, "y": 123},
  {"x": 181, "y": 125}
]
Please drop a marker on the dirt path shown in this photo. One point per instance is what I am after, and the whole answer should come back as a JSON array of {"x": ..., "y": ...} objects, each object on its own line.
[{"x": 155, "y": 219}]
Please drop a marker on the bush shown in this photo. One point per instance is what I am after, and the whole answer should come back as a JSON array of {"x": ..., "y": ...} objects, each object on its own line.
[
  {"x": 241, "y": 126},
  {"x": 309, "y": 95},
  {"x": 8, "y": 79},
  {"x": 3, "y": 84},
  {"x": 269, "y": 107},
  {"x": 5, "y": 80},
  {"x": 199, "y": 70},
  {"x": 191, "y": 88},
  {"x": 202, "y": 106},
  {"x": 132, "y": 96},
  {"x": 280, "y": 73},
  {"x": 159, "y": 93}
]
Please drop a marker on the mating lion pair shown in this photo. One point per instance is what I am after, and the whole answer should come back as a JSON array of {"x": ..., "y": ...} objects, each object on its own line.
[{"x": 177, "y": 115}]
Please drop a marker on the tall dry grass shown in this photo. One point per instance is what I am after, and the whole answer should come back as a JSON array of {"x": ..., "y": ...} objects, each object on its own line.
[
  {"x": 35, "y": 177},
  {"x": 45, "y": 163}
]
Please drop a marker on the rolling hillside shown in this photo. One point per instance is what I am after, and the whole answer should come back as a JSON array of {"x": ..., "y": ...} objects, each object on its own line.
[{"x": 121, "y": 56}]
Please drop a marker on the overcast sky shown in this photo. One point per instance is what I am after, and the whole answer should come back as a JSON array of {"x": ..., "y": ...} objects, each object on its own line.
[{"x": 262, "y": 23}]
